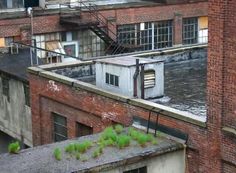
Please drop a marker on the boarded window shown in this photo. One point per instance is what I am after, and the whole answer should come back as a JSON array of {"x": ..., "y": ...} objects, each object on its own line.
[
  {"x": 83, "y": 130},
  {"x": 149, "y": 79},
  {"x": 59, "y": 127},
  {"x": 203, "y": 22},
  {"x": 138, "y": 170},
  {"x": 5, "y": 87}
]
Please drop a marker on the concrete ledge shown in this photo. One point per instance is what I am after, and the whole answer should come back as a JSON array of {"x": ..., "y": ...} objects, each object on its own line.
[
  {"x": 34, "y": 70},
  {"x": 57, "y": 77},
  {"x": 229, "y": 130}
]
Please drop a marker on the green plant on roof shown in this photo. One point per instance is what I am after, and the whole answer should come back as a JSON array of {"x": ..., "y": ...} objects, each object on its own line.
[
  {"x": 14, "y": 147},
  {"x": 77, "y": 156},
  {"x": 70, "y": 148},
  {"x": 123, "y": 141},
  {"x": 133, "y": 133},
  {"x": 119, "y": 128},
  {"x": 83, "y": 146},
  {"x": 57, "y": 153},
  {"x": 96, "y": 153},
  {"x": 84, "y": 158},
  {"x": 109, "y": 133}
]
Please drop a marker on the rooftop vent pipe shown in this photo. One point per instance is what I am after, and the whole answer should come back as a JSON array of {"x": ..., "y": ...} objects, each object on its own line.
[{"x": 135, "y": 78}]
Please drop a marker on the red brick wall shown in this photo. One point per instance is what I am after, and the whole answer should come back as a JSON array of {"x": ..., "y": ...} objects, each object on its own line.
[
  {"x": 50, "y": 23},
  {"x": 98, "y": 112},
  {"x": 222, "y": 85}
]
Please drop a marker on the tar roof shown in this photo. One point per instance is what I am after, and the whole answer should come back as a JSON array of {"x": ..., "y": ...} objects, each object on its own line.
[
  {"x": 128, "y": 61},
  {"x": 41, "y": 159},
  {"x": 16, "y": 64}
]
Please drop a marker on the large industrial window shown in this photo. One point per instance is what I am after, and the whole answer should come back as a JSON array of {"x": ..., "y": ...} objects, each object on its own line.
[
  {"x": 190, "y": 30},
  {"x": 147, "y": 36},
  {"x": 5, "y": 87},
  {"x": 149, "y": 78},
  {"x": 5, "y": 4},
  {"x": 112, "y": 79},
  {"x": 27, "y": 95},
  {"x": 163, "y": 34},
  {"x": 83, "y": 130},
  {"x": 59, "y": 127},
  {"x": 138, "y": 170}
]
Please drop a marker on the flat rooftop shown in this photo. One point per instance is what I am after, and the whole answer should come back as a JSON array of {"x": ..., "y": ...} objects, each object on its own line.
[
  {"x": 127, "y": 61},
  {"x": 41, "y": 159}
]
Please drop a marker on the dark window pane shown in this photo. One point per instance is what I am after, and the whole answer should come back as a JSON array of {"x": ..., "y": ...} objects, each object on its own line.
[
  {"x": 107, "y": 78},
  {"x": 111, "y": 79},
  {"x": 83, "y": 130},
  {"x": 116, "y": 81},
  {"x": 59, "y": 127}
]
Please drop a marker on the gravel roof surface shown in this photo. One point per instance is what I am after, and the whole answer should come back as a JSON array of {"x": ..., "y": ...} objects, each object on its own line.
[{"x": 41, "y": 160}]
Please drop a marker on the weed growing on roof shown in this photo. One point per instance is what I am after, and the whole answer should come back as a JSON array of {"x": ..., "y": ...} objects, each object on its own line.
[
  {"x": 77, "y": 156},
  {"x": 123, "y": 141},
  {"x": 83, "y": 146},
  {"x": 119, "y": 128},
  {"x": 84, "y": 158},
  {"x": 14, "y": 147},
  {"x": 96, "y": 153},
  {"x": 109, "y": 133},
  {"x": 70, "y": 148},
  {"x": 57, "y": 154}
]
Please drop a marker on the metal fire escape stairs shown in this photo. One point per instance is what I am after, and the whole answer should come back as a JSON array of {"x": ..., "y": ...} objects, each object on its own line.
[{"x": 74, "y": 14}]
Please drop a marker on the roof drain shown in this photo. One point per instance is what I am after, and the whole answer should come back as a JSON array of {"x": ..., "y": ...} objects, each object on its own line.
[{"x": 135, "y": 79}]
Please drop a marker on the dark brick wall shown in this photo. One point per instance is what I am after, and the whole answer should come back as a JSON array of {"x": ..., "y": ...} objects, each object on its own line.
[{"x": 222, "y": 85}]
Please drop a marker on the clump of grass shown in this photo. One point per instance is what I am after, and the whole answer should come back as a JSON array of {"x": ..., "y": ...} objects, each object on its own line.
[
  {"x": 109, "y": 133},
  {"x": 119, "y": 128},
  {"x": 83, "y": 147},
  {"x": 57, "y": 154},
  {"x": 83, "y": 158},
  {"x": 77, "y": 156},
  {"x": 133, "y": 133},
  {"x": 96, "y": 153},
  {"x": 123, "y": 141},
  {"x": 70, "y": 148},
  {"x": 14, "y": 147}
]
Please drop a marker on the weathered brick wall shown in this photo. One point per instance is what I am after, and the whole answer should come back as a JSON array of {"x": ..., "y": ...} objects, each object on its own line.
[
  {"x": 222, "y": 86},
  {"x": 50, "y": 23}
]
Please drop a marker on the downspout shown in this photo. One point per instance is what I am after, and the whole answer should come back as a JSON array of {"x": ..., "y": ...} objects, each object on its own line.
[
  {"x": 142, "y": 82},
  {"x": 135, "y": 79}
]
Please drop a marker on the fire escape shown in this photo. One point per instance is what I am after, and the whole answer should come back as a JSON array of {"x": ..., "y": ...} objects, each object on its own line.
[{"x": 85, "y": 15}]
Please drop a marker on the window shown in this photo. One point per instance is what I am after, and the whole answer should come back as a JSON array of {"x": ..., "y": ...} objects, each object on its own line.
[
  {"x": 147, "y": 36},
  {"x": 4, "y": 4},
  {"x": 27, "y": 95},
  {"x": 163, "y": 34},
  {"x": 83, "y": 130},
  {"x": 149, "y": 78},
  {"x": 190, "y": 30},
  {"x": 138, "y": 170},
  {"x": 5, "y": 87},
  {"x": 203, "y": 30},
  {"x": 112, "y": 79},
  {"x": 59, "y": 128}
]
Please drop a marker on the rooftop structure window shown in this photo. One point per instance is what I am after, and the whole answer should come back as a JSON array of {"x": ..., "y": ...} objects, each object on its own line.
[
  {"x": 59, "y": 127},
  {"x": 83, "y": 130},
  {"x": 112, "y": 79},
  {"x": 5, "y": 87},
  {"x": 138, "y": 170},
  {"x": 190, "y": 30},
  {"x": 8, "y": 4},
  {"x": 149, "y": 78}
]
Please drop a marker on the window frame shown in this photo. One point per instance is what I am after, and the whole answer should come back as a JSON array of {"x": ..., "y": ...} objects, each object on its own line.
[
  {"x": 6, "y": 87},
  {"x": 54, "y": 134},
  {"x": 111, "y": 79},
  {"x": 138, "y": 170},
  {"x": 190, "y": 30}
]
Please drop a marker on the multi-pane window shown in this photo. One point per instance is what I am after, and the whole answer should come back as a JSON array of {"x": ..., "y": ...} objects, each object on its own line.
[
  {"x": 112, "y": 79},
  {"x": 147, "y": 36},
  {"x": 163, "y": 34},
  {"x": 5, "y": 4},
  {"x": 190, "y": 30},
  {"x": 138, "y": 170},
  {"x": 5, "y": 87},
  {"x": 83, "y": 130},
  {"x": 27, "y": 95},
  {"x": 59, "y": 127}
]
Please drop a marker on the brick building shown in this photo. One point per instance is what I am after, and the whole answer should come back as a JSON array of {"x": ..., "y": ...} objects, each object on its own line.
[
  {"x": 110, "y": 28},
  {"x": 210, "y": 143}
]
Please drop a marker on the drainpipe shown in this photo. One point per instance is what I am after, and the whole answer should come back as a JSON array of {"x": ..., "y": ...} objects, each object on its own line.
[
  {"x": 142, "y": 81},
  {"x": 135, "y": 79}
]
